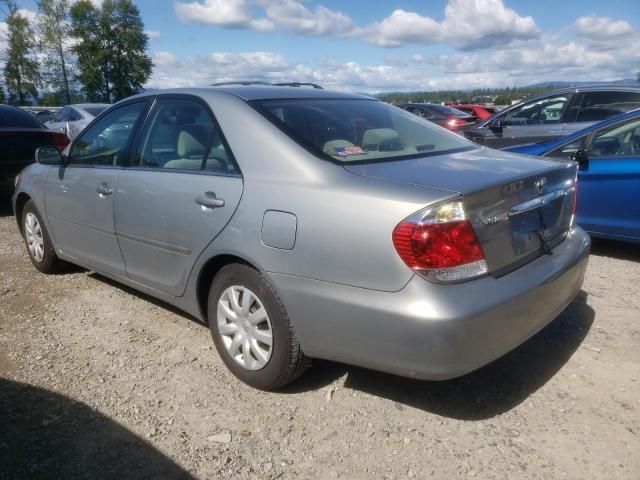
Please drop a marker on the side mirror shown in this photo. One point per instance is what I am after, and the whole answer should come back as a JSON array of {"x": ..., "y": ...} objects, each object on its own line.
[
  {"x": 49, "y": 156},
  {"x": 581, "y": 157}
]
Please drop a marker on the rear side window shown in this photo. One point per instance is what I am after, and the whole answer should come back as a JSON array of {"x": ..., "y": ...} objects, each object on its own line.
[
  {"x": 95, "y": 110},
  {"x": 181, "y": 135},
  {"x": 62, "y": 115},
  {"x": 598, "y": 106},
  {"x": 354, "y": 130},
  {"x": 11, "y": 117},
  {"x": 106, "y": 142}
]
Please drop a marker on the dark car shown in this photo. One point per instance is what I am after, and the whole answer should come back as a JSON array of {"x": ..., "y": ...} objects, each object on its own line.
[
  {"x": 20, "y": 135},
  {"x": 608, "y": 154},
  {"x": 446, "y": 117},
  {"x": 553, "y": 115},
  {"x": 44, "y": 116},
  {"x": 481, "y": 112}
]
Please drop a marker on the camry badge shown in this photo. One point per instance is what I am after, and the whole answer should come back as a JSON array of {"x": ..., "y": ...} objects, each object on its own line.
[{"x": 540, "y": 186}]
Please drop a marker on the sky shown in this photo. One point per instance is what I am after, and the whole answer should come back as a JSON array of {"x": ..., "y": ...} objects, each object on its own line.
[{"x": 374, "y": 46}]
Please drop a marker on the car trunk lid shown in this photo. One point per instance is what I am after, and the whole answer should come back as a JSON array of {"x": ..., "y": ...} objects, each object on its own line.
[{"x": 520, "y": 207}]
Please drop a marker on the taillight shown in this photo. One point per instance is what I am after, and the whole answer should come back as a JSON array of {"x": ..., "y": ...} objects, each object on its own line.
[
  {"x": 439, "y": 243},
  {"x": 455, "y": 122},
  {"x": 60, "y": 140}
]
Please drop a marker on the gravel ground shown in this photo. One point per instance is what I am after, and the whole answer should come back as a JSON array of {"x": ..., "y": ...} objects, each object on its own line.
[{"x": 98, "y": 381}]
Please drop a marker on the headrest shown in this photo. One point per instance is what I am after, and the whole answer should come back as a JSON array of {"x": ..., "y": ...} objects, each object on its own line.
[
  {"x": 379, "y": 136},
  {"x": 188, "y": 145}
]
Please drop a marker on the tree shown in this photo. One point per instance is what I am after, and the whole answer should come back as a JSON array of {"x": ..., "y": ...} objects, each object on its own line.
[
  {"x": 54, "y": 29},
  {"x": 21, "y": 69},
  {"x": 2, "y": 100},
  {"x": 111, "y": 49}
]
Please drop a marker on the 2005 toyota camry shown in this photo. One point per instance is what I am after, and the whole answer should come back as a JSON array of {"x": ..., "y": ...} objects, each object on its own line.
[{"x": 301, "y": 223}]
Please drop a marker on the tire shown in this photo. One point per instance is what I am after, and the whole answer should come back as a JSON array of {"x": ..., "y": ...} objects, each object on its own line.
[
  {"x": 36, "y": 238},
  {"x": 262, "y": 366}
]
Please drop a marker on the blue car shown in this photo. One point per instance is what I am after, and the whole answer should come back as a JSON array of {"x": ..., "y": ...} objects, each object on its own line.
[{"x": 608, "y": 154}]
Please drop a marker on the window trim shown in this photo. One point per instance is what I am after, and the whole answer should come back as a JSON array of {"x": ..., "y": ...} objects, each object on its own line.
[
  {"x": 155, "y": 99},
  {"x": 108, "y": 111}
]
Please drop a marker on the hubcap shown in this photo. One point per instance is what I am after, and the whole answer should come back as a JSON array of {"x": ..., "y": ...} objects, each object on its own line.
[
  {"x": 245, "y": 328},
  {"x": 35, "y": 240}
]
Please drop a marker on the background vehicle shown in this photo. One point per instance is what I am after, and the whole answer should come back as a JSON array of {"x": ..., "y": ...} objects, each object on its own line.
[
  {"x": 73, "y": 118},
  {"x": 609, "y": 157},
  {"x": 481, "y": 112},
  {"x": 304, "y": 223},
  {"x": 447, "y": 117},
  {"x": 20, "y": 135},
  {"x": 44, "y": 116},
  {"x": 553, "y": 115}
]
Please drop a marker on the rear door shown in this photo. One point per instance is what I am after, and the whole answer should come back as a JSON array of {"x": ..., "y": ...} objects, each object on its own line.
[
  {"x": 179, "y": 195},
  {"x": 79, "y": 195},
  {"x": 609, "y": 188}
]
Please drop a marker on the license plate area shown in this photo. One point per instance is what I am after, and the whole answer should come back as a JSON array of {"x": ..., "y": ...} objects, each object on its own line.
[{"x": 533, "y": 227}]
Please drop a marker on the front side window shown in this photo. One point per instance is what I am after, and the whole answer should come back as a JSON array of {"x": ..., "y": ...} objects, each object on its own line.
[
  {"x": 105, "y": 143},
  {"x": 597, "y": 106},
  {"x": 181, "y": 135},
  {"x": 621, "y": 140},
  {"x": 568, "y": 150},
  {"x": 74, "y": 116},
  {"x": 354, "y": 130},
  {"x": 539, "y": 112}
]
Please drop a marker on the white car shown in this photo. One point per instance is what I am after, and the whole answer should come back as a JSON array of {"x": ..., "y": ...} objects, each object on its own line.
[{"x": 73, "y": 118}]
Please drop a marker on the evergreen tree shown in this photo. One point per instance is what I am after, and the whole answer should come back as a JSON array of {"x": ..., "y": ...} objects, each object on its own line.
[
  {"x": 54, "y": 29},
  {"x": 21, "y": 69},
  {"x": 111, "y": 49}
]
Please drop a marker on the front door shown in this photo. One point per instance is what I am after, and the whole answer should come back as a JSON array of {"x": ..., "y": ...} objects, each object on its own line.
[
  {"x": 609, "y": 187},
  {"x": 178, "y": 197},
  {"x": 79, "y": 195}
]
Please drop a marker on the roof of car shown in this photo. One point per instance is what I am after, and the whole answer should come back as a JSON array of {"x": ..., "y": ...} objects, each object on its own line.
[
  {"x": 255, "y": 92},
  {"x": 89, "y": 105}
]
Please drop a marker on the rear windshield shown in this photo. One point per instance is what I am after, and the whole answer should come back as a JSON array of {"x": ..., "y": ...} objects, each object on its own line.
[
  {"x": 95, "y": 111},
  {"x": 359, "y": 130},
  {"x": 15, "y": 118}
]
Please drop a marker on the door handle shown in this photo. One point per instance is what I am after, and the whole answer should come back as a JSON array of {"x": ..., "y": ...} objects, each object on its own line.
[
  {"x": 209, "y": 200},
  {"x": 104, "y": 189}
]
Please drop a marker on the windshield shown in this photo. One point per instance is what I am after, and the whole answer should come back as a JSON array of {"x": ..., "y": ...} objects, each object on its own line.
[{"x": 359, "y": 130}]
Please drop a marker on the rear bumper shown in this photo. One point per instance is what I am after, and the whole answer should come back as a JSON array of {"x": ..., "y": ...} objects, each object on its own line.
[{"x": 432, "y": 331}]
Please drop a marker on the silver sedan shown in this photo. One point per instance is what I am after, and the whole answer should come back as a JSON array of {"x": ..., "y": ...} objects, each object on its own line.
[
  {"x": 305, "y": 224},
  {"x": 73, "y": 118}
]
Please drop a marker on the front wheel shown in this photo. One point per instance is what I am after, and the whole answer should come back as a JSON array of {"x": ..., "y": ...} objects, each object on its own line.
[
  {"x": 251, "y": 329},
  {"x": 36, "y": 238}
]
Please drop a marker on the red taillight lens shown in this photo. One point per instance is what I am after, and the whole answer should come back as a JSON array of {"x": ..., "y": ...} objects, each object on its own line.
[
  {"x": 60, "y": 140},
  {"x": 440, "y": 244}
]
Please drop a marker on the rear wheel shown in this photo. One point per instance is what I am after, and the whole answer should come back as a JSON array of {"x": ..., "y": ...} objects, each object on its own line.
[
  {"x": 38, "y": 242},
  {"x": 251, "y": 329}
]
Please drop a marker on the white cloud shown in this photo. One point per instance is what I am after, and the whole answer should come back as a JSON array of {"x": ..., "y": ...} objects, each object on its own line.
[
  {"x": 288, "y": 15},
  {"x": 291, "y": 15},
  {"x": 221, "y": 13},
  {"x": 153, "y": 34},
  {"x": 467, "y": 24},
  {"x": 602, "y": 28}
]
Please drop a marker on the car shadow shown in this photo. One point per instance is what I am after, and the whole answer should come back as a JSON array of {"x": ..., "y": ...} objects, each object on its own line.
[
  {"x": 137, "y": 293},
  {"x": 484, "y": 393},
  {"x": 615, "y": 249},
  {"x": 487, "y": 392},
  {"x": 45, "y": 435}
]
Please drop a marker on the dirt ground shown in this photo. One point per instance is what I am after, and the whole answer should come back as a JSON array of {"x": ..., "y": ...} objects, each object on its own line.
[{"x": 98, "y": 381}]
